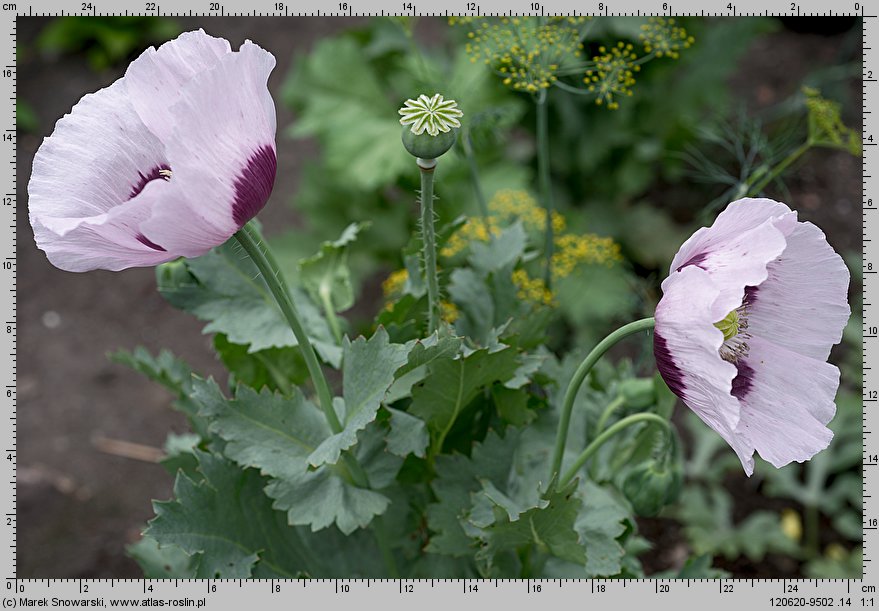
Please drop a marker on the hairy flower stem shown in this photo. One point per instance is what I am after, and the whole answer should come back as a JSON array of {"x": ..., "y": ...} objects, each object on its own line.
[
  {"x": 428, "y": 236},
  {"x": 599, "y": 441},
  {"x": 252, "y": 242},
  {"x": 258, "y": 251},
  {"x": 583, "y": 370},
  {"x": 545, "y": 184}
]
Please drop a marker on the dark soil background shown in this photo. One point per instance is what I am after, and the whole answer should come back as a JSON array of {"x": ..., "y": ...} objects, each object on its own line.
[{"x": 79, "y": 501}]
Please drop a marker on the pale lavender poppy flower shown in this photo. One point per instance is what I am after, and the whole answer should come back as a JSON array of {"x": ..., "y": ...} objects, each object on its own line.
[
  {"x": 168, "y": 161},
  {"x": 749, "y": 312}
]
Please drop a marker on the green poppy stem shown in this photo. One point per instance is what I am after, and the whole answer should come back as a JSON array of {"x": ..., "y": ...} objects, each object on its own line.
[
  {"x": 583, "y": 370},
  {"x": 604, "y": 437},
  {"x": 258, "y": 251},
  {"x": 428, "y": 235}
]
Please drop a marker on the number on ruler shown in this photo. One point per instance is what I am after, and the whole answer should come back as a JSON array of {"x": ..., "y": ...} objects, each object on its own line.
[
  {"x": 87, "y": 6},
  {"x": 344, "y": 588},
  {"x": 535, "y": 6},
  {"x": 150, "y": 6},
  {"x": 873, "y": 394},
  {"x": 279, "y": 6},
  {"x": 214, "y": 6},
  {"x": 471, "y": 6},
  {"x": 343, "y": 6},
  {"x": 793, "y": 7},
  {"x": 7, "y": 73},
  {"x": 872, "y": 331},
  {"x": 536, "y": 587},
  {"x": 730, "y": 7},
  {"x": 7, "y": 201},
  {"x": 408, "y": 6},
  {"x": 600, "y": 6},
  {"x": 873, "y": 522},
  {"x": 857, "y": 6}
]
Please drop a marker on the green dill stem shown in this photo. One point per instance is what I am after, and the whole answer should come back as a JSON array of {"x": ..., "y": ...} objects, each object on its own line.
[
  {"x": 467, "y": 144},
  {"x": 599, "y": 441},
  {"x": 259, "y": 252},
  {"x": 583, "y": 370},
  {"x": 428, "y": 236},
  {"x": 545, "y": 184},
  {"x": 778, "y": 169}
]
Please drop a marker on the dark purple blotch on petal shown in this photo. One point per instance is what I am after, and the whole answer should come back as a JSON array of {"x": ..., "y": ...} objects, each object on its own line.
[
  {"x": 750, "y": 295},
  {"x": 143, "y": 179},
  {"x": 147, "y": 242},
  {"x": 744, "y": 380},
  {"x": 696, "y": 260},
  {"x": 254, "y": 185},
  {"x": 670, "y": 372}
]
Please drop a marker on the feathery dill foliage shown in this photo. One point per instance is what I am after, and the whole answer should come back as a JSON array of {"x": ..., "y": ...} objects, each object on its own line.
[{"x": 526, "y": 52}]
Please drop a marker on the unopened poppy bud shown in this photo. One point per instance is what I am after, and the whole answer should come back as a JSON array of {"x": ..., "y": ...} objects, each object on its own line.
[
  {"x": 638, "y": 393},
  {"x": 651, "y": 486}
]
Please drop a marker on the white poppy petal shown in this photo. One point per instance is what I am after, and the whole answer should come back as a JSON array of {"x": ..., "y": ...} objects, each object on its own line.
[
  {"x": 156, "y": 77},
  {"x": 686, "y": 345},
  {"x": 802, "y": 305},
  {"x": 787, "y": 400},
  {"x": 222, "y": 153},
  {"x": 737, "y": 247}
]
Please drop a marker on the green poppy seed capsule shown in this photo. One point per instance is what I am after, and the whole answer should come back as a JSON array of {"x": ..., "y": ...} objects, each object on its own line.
[
  {"x": 431, "y": 125},
  {"x": 425, "y": 146}
]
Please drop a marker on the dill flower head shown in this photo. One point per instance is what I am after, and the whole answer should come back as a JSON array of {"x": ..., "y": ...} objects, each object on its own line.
[
  {"x": 526, "y": 52},
  {"x": 613, "y": 74},
  {"x": 664, "y": 38}
]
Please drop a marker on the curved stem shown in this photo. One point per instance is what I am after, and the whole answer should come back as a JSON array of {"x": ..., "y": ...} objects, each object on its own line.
[
  {"x": 252, "y": 242},
  {"x": 545, "y": 184},
  {"x": 608, "y": 412},
  {"x": 429, "y": 243},
  {"x": 599, "y": 441},
  {"x": 574, "y": 385}
]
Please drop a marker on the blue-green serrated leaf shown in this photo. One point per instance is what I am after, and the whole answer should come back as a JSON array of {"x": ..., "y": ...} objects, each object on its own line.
[
  {"x": 502, "y": 251},
  {"x": 600, "y": 523},
  {"x": 225, "y": 289},
  {"x": 180, "y": 453},
  {"x": 469, "y": 292},
  {"x": 162, "y": 562},
  {"x": 276, "y": 368},
  {"x": 549, "y": 527},
  {"x": 368, "y": 371},
  {"x": 326, "y": 276},
  {"x": 408, "y": 434},
  {"x": 169, "y": 371},
  {"x": 457, "y": 478},
  {"x": 452, "y": 384},
  {"x": 276, "y": 434},
  {"x": 227, "y": 519}
]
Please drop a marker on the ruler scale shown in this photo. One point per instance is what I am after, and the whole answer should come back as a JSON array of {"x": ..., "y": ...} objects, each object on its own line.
[{"x": 435, "y": 594}]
